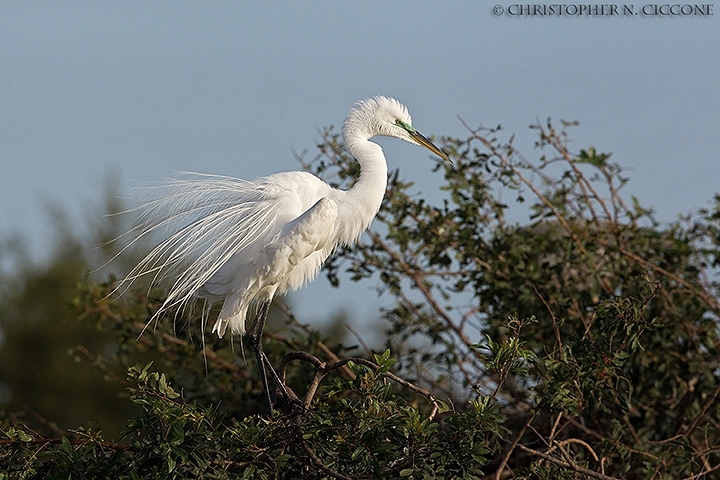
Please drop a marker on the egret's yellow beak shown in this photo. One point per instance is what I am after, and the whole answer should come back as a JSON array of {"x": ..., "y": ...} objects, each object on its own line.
[{"x": 422, "y": 140}]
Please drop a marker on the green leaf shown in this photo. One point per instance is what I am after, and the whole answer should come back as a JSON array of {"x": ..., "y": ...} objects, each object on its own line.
[{"x": 69, "y": 449}]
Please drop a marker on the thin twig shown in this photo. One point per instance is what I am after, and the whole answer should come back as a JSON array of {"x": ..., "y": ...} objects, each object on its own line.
[
  {"x": 513, "y": 445},
  {"x": 315, "y": 459},
  {"x": 697, "y": 418},
  {"x": 553, "y": 430},
  {"x": 530, "y": 185},
  {"x": 102, "y": 366},
  {"x": 583, "y": 443},
  {"x": 416, "y": 277},
  {"x": 558, "y": 338},
  {"x": 702, "y": 473},
  {"x": 712, "y": 302},
  {"x": 571, "y": 466},
  {"x": 322, "y": 369},
  {"x": 81, "y": 442},
  {"x": 362, "y": 343}
]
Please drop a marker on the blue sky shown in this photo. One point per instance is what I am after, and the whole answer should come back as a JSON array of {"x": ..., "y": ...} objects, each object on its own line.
[{"x": 138, "y": 90}]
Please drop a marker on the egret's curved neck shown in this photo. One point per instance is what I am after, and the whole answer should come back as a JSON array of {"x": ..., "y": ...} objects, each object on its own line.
[
  {"x": 363, "y": 200},
  {"x": 373, "y": 171}
]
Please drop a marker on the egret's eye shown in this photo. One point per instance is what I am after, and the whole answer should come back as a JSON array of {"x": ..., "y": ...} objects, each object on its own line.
[{"x": 405, "y": 126}]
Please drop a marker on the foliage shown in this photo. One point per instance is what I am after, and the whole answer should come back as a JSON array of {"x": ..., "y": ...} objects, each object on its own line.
[
  {"x": 582, "y": 343},
  {"x": 373, "y": 431},
  {"x": 45, "y": 380}
]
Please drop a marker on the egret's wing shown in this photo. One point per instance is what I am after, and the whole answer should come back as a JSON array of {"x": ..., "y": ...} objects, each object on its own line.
[
  {"x": 291, "y": 258},
  {"x": 208, "y": 220}
]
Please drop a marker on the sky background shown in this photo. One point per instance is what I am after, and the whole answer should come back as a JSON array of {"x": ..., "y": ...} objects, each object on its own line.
[{"x": 133, "y": 91}]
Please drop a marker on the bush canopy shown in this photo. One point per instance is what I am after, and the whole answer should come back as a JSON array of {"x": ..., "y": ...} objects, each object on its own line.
[{"x": 580, "y": 342}]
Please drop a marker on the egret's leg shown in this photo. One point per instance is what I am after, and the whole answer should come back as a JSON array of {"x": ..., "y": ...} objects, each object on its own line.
[{"x": 255, "y": 334}]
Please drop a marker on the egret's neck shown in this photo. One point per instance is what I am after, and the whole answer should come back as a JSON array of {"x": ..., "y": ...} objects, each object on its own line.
[
  {"x": 373, "y": 172},
  {"x": 363, "y": 200}
]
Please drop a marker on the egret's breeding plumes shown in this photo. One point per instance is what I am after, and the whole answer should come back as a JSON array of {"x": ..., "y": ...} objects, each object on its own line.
[{"x": 241, "y": 243}]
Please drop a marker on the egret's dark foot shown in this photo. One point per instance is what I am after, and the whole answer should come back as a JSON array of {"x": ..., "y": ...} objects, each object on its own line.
[
  {"x": 285, "y": 400},
  {"x": 282, "y": 397}
]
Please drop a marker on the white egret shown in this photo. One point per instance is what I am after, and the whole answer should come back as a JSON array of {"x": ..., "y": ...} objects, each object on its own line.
[{"x": 244, "y": 242}]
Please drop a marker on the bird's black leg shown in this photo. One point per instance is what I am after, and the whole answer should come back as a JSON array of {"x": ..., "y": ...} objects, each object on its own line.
[{"x": 255, "y": 334}]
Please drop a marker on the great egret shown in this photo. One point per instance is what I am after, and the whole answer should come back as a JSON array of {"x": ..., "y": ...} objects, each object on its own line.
[{"x": 244, "y": 242}]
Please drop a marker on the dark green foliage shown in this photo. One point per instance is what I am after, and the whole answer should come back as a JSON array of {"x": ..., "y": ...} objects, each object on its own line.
[
  {"x": 626, "y": 308},
  {"x": 582, "y": 343},
  {"x": 369, "y": 431}
]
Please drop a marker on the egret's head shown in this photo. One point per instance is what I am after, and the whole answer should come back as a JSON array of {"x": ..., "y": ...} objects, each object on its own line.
[{"x": 385, "y": 116}]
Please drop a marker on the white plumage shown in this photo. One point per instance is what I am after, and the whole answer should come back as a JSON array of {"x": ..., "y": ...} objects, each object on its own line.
[{"x": 244, "y": 242}]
